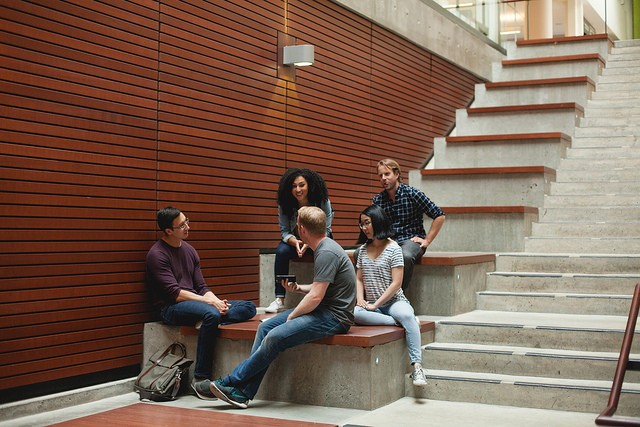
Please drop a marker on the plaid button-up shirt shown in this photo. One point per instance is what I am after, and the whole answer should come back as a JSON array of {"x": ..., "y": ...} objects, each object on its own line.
[{"x": 406, "y": 213}]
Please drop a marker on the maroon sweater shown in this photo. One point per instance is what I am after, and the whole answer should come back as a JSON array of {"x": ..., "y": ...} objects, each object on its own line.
[{"x": 169, "y": 269}]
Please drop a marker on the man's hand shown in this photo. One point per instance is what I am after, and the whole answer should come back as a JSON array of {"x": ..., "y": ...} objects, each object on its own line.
[
  {"x": 424, "y": 243},
  {"x": 221, "y": 305},
  {"x": 290, "y": 286}
]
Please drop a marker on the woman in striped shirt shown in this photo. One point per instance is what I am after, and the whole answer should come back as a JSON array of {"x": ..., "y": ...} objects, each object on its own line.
[{"x": 380, "y": 299}]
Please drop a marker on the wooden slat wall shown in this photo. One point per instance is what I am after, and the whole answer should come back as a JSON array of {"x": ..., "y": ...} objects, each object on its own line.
[{"x": 110, "y": 111}]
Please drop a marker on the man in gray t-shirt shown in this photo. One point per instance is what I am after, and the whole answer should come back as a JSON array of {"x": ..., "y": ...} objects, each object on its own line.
[{"x": 325, "y": 310}]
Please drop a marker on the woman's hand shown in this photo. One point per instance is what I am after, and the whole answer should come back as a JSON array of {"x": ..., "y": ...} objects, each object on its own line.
[{"x": 303, "y": 249}]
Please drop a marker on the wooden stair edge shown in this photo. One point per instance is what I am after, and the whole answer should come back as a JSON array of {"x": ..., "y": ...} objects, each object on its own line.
[
  {"x": 566, "y": 39},
  {"x": 540, "y": 82},
  {"x": 526, "y": 108},
  {"x": 540, "y": 136},
  {"x": 552, "y": 59},
  {"x": 488, "y": 209},
  {"x": 488, "y": 170}
]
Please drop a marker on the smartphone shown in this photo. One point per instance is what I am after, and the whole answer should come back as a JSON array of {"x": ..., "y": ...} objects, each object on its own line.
[{"x": 290, "y": 277}]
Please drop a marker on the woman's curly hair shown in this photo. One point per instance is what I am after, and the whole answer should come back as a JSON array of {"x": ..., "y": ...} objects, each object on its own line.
[{"x": 318, "y": 192}]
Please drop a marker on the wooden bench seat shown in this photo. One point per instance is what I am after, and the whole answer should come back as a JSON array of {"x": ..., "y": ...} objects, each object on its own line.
[{"x": 360, "y": 336}]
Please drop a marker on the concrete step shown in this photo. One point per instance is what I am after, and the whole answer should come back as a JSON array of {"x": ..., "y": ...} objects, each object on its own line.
[
  {"x": 629, "y": 86},
  {"x": 625, "y": 52},
  {"x": 553, "y": 48},
  {"x": 547, "y": 69},
  {"x": 618, "y": 121},
  {"x": 600, "y": 153},
  {"x": 586, "y": 229},
  {"x": 586, "y": 141},
  {"x": 614, "y": 100},
  {"x": 600, "y": 163},
  {"x": 630, "y": 76},
  {"x": 613, "y": 112},
  {"x": 590, "y": 332},
  {"x": 490, "y": 187},
  {"x": 575, "y": 201},
  {"x": 618, "y": 174},
  {"x": 513, "y": 150},
  {"x": 578, "y": 263},
  {"x": 593, "y": 245},
  {"x": 519, "y": 119},
  {"x": 625, "y": 70},
  {"x": 569, "y": 188},
  {"x": 607, "y": 131},
  {"x": 518, "y": 94},
  {"x": 531, "y": 392},
  {"x": 619, "y": 62},
  {"x": 564, "y": 303},
  {"x": 605, "y": 283},
  {"x": 527, "y": 361},
  {"x": 589, "y": 213}
]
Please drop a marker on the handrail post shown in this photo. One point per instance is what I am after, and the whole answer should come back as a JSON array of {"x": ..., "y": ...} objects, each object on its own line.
[{"x": 606, "y": 417}]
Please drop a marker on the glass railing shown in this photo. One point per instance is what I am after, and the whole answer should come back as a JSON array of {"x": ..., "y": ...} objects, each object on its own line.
[{"x": 506, "y": 20}]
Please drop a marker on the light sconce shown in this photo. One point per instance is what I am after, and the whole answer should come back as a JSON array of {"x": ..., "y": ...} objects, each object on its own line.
[
  {"x": 300, "y": 56},
  {"x": 291, "y": 56}
]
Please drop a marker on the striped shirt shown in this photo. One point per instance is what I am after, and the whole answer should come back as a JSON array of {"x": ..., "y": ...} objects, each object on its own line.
[
  {"x": 376, "y": 273},
  {"x": 406, "y": 213}
]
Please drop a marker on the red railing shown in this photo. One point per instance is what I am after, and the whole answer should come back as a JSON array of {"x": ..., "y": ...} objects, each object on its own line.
[{"x": 606, "y": 417}]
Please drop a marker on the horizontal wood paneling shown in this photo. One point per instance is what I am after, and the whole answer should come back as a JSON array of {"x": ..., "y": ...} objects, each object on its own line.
[{"x": 109, "y": 111}]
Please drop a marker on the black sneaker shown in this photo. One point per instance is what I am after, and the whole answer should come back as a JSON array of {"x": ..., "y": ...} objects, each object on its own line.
[
  {"x": 203, "y": 390},
  {"x": 229, "y": 394}
]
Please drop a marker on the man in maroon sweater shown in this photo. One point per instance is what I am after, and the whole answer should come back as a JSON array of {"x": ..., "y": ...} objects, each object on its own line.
[{"x": 180, "y": 292}]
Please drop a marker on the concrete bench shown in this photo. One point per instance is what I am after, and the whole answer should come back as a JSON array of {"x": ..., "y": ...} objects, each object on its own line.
[
  {"x": 362, "y": 369},
  {"x": 443, "y": 283}
]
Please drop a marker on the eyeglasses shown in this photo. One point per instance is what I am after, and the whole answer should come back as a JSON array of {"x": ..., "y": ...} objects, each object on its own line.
[
  {"x": 184, "y": 225},
  {"x": 364, "y": 224}
]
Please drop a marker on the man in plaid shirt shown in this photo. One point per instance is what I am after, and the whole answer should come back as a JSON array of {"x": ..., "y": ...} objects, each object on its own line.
[{"x": 405, "y": 206}]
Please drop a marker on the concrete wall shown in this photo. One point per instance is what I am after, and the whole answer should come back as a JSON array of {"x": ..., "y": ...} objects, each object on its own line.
[{"x": 427, "y": 27}]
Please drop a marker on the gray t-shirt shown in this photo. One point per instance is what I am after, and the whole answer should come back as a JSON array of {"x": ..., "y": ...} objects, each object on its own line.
[{"x": 331, "y": 264}]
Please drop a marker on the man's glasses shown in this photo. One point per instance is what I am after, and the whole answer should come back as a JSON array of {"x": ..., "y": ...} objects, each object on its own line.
[
  {"x": 184, "y": 225},
  {"x": 364, "y": 224}
]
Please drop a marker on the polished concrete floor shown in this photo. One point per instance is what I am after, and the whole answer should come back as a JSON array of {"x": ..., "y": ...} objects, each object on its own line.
[{"x": 406, "y": 412}]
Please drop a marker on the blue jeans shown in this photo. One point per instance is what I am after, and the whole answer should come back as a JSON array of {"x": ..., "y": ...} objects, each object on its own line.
[
  {"x": 275, "y": 336},
  {"x": 188, "y": 313},
  {"x": 391, "y": 314},
  {"x": 284, "y": 254},
  {"x": 411, "y": 253}
]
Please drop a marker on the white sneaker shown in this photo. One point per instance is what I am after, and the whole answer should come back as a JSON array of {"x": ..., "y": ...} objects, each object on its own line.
[
  {"x": 418, "y": 377},
  {"x": 274, "y": 307}
]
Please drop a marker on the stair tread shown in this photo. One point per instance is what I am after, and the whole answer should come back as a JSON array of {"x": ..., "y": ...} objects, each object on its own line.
[
  {"x": 543, "y": 381},
  {"x": 559, "y": 275},
  {"x": 555, "y": 294},
  {"x": 532, "y": 320},
  {"x": 515, "y": 350}
]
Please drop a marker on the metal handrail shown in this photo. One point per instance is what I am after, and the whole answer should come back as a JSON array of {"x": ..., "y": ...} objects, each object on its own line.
[{"x": 606, "y": 417}]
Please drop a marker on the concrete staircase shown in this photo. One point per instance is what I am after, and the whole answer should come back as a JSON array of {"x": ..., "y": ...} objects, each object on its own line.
[{"x": 547, "y": 329}]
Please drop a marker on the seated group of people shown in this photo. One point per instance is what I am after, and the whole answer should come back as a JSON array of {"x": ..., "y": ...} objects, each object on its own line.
[{"x": 392, "y": 237}]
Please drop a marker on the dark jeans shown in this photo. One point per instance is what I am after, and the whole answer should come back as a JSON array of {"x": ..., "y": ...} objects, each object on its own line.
[
  {"x": 411, "y": 253},
  {"x": 275, "y": 336},
  {"x": 188, "y": 313},
  {"x": 284, "y": 254}
]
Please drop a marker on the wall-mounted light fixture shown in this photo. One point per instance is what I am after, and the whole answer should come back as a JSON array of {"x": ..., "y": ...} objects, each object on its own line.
[
  {"x": 291, "y": 56},
  {"x": 300, "y": 56}
]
